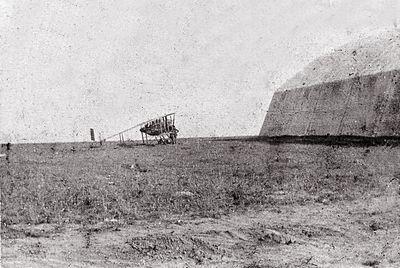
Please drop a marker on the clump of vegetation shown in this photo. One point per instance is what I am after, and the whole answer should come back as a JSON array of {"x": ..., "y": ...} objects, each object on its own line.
[{"x": 371, "y": 263}]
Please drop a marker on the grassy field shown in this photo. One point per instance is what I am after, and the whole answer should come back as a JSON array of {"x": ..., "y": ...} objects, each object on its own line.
[
  {"x": 203, "y": 178},
  {"x": 197, "y": 178}
]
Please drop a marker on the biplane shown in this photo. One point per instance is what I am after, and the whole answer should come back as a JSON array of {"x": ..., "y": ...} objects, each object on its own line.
[{"x": 161, "y": 128}]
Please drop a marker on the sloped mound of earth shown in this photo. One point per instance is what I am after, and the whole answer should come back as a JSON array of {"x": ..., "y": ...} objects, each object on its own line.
[{"x": 371, "y": 55}]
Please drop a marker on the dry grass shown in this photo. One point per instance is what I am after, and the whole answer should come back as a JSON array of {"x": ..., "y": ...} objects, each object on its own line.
[{"x": 194, "y": 178}]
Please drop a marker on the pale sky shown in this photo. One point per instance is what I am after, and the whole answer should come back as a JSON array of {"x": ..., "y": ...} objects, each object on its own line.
[{"x": 70, "y": 65}]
